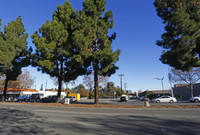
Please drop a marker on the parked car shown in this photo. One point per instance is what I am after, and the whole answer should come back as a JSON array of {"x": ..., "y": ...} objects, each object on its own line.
[
  {"x": 124, "y": 98},
  {"x": 168, "y": 99},
  {"x": 35, "y": 97},
  {"x": 23, "y": 98},
  {"x": 195, "y": 99},
  {"x": 49, "y": 99},
  {"x": 71, "y": 98}
]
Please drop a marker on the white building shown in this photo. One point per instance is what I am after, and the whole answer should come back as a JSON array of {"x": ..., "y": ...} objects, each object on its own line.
[{"x": 51, "y": 92}]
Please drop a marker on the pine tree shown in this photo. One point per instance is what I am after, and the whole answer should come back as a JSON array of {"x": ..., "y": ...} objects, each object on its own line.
[
  {"x": 56, "y": 54},
  {"x": 92, "y": 34},
  {"x": 13, "y": 51},
  {"x": 181, "y": 39}
]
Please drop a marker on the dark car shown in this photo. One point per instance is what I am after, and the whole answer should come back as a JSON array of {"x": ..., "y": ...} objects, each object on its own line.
[
  {"x": 49, "y": 99},
  {"x": 24, "y": 98},
  {"x": 35, "y": 97}
]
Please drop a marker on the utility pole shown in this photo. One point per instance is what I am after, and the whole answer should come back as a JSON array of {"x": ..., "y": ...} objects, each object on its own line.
[
  {"x": 120, "y": 75},
  {"x": 45, "y": 88},
  {"x": 125, "y": 86}
]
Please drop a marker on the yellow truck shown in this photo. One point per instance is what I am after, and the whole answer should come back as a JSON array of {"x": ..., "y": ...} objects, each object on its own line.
[{"x": 77, "y": 96}]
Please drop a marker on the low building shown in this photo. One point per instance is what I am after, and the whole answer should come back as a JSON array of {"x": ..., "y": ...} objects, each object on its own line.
[
  {"x": 159, "y": 93},
  {"x": 49, "y": 92},
  {"x": 13, "y": 93},
  {"x": 182, "y": 91}
]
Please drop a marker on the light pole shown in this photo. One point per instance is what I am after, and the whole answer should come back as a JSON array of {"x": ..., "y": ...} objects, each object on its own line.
[
  {"x": 120, "y": 75},
  {"x": 161, "y": 79},
  {"x": 170, "y": 81},
  {"x": 125, "y": 86}
]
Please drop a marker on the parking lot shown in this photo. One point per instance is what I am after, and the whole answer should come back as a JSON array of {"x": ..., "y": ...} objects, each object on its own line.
[
  {"x": 134, "y": 102},
  {"x": 23, "y": 119},
  {"x": 116, "y": 101}
]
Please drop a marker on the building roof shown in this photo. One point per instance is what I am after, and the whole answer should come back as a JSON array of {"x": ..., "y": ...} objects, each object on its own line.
[
  {"x": 15, "y": 89},
  {"x": 56, "y": 90},
  {"x": 180, "y": 85},
  {"x": 160, "y": 91}
]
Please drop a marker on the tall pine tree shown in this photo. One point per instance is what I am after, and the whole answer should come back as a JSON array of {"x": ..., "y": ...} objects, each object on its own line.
[
  {"x": 13, "y": 51},
  {"x": 93, "y": 33},
  {"x": 56, "y": 54},
  {"x": 181, "y": 39}
]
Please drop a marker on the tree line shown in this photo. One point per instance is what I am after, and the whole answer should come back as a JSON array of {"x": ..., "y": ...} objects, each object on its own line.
[
  {"x": 73, "y": 43},
  {"x": 107, "y": 91}
]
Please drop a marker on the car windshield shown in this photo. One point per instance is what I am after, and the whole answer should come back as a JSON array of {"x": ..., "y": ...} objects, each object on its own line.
[{"x": 164, "y": 97}]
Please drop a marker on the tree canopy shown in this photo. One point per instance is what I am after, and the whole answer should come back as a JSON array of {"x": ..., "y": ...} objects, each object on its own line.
[
  {"x": 94, "y": 24},
  {"x": 56, "y": 52},
  {"x": 181, "y": 39},
  {"x": 13, "y": 51},
  {"x": 24, "y": 80}
]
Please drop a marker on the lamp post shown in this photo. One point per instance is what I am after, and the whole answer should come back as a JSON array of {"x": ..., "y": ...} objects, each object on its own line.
[
  {"x": 170, "y": 81},
  {"x": 161, "y": 79},
  {"x": 120, "y": 75}
]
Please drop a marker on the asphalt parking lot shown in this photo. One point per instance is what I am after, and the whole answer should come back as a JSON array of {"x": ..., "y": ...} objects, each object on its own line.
[
  {"x": 135, "y": 102},
  {"x": 28, "y": 119}
]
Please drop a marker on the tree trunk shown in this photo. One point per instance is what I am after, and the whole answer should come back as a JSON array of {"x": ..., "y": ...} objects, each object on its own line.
[
  {"x": 191, "y": 90},
  {"x": 96, "y": 87},
  {"x": 95, "y": 66},
  {"x": 60, "y": 81},
  {"x": 5, "y": 89}
]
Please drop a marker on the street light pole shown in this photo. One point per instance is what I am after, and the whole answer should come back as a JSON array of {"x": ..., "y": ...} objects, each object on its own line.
[
  {"x": 170, "y": 81},
  {"x": 120, "y": 75},
  {"x": 161, "y": 79}
]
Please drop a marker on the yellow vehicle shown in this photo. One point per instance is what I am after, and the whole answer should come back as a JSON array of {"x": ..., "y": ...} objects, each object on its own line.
[{"x": 77, "y": 96}]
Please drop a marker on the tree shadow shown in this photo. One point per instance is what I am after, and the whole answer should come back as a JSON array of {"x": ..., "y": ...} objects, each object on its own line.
[
  {"x": 17, "y": 122},
  {"x": 139, "y": 125}
]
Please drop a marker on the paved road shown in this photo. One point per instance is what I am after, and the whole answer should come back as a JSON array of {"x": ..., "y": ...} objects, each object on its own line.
[{"x": 22, "y": 119}]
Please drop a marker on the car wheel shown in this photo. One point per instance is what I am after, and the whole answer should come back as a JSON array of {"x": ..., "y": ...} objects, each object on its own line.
[
  {"x": 157, "y": 101},
  {"x": 196, "y": 100},
  {"x": 171, "y": 101}
]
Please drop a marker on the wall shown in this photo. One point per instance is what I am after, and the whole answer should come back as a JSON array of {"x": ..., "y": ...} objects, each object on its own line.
[{"x": 183, "y": 92}]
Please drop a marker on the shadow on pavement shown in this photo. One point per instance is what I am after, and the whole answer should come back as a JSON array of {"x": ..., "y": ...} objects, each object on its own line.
[
  {"x": 133, "y": 125},
  {"x": 16, "y": 122}
]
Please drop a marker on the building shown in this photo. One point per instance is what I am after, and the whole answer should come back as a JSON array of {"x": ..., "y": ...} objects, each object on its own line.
[
  {"x": 157, "y": 93},
  {"x": 49, "y": 92},
  {"x": 182, "y": 91},
  {"x": 13, "y": 93}
]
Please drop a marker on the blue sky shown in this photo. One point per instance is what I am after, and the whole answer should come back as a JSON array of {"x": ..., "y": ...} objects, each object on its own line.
[{"x": 136, "y": 24}]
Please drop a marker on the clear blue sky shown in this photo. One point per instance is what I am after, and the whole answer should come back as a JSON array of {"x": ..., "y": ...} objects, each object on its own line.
[{"x": 137, "y": 27}]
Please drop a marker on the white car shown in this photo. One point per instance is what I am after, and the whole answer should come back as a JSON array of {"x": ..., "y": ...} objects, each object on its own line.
[
  {"x": 165, "y": 99},
  {"x": 72, "y": 99},
  {"x": 195, "y": 99},
  {"x": 124, "y": 98}
]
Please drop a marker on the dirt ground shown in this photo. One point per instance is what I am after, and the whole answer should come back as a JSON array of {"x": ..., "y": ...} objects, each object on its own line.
[{"x": 106, "y": 105}]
